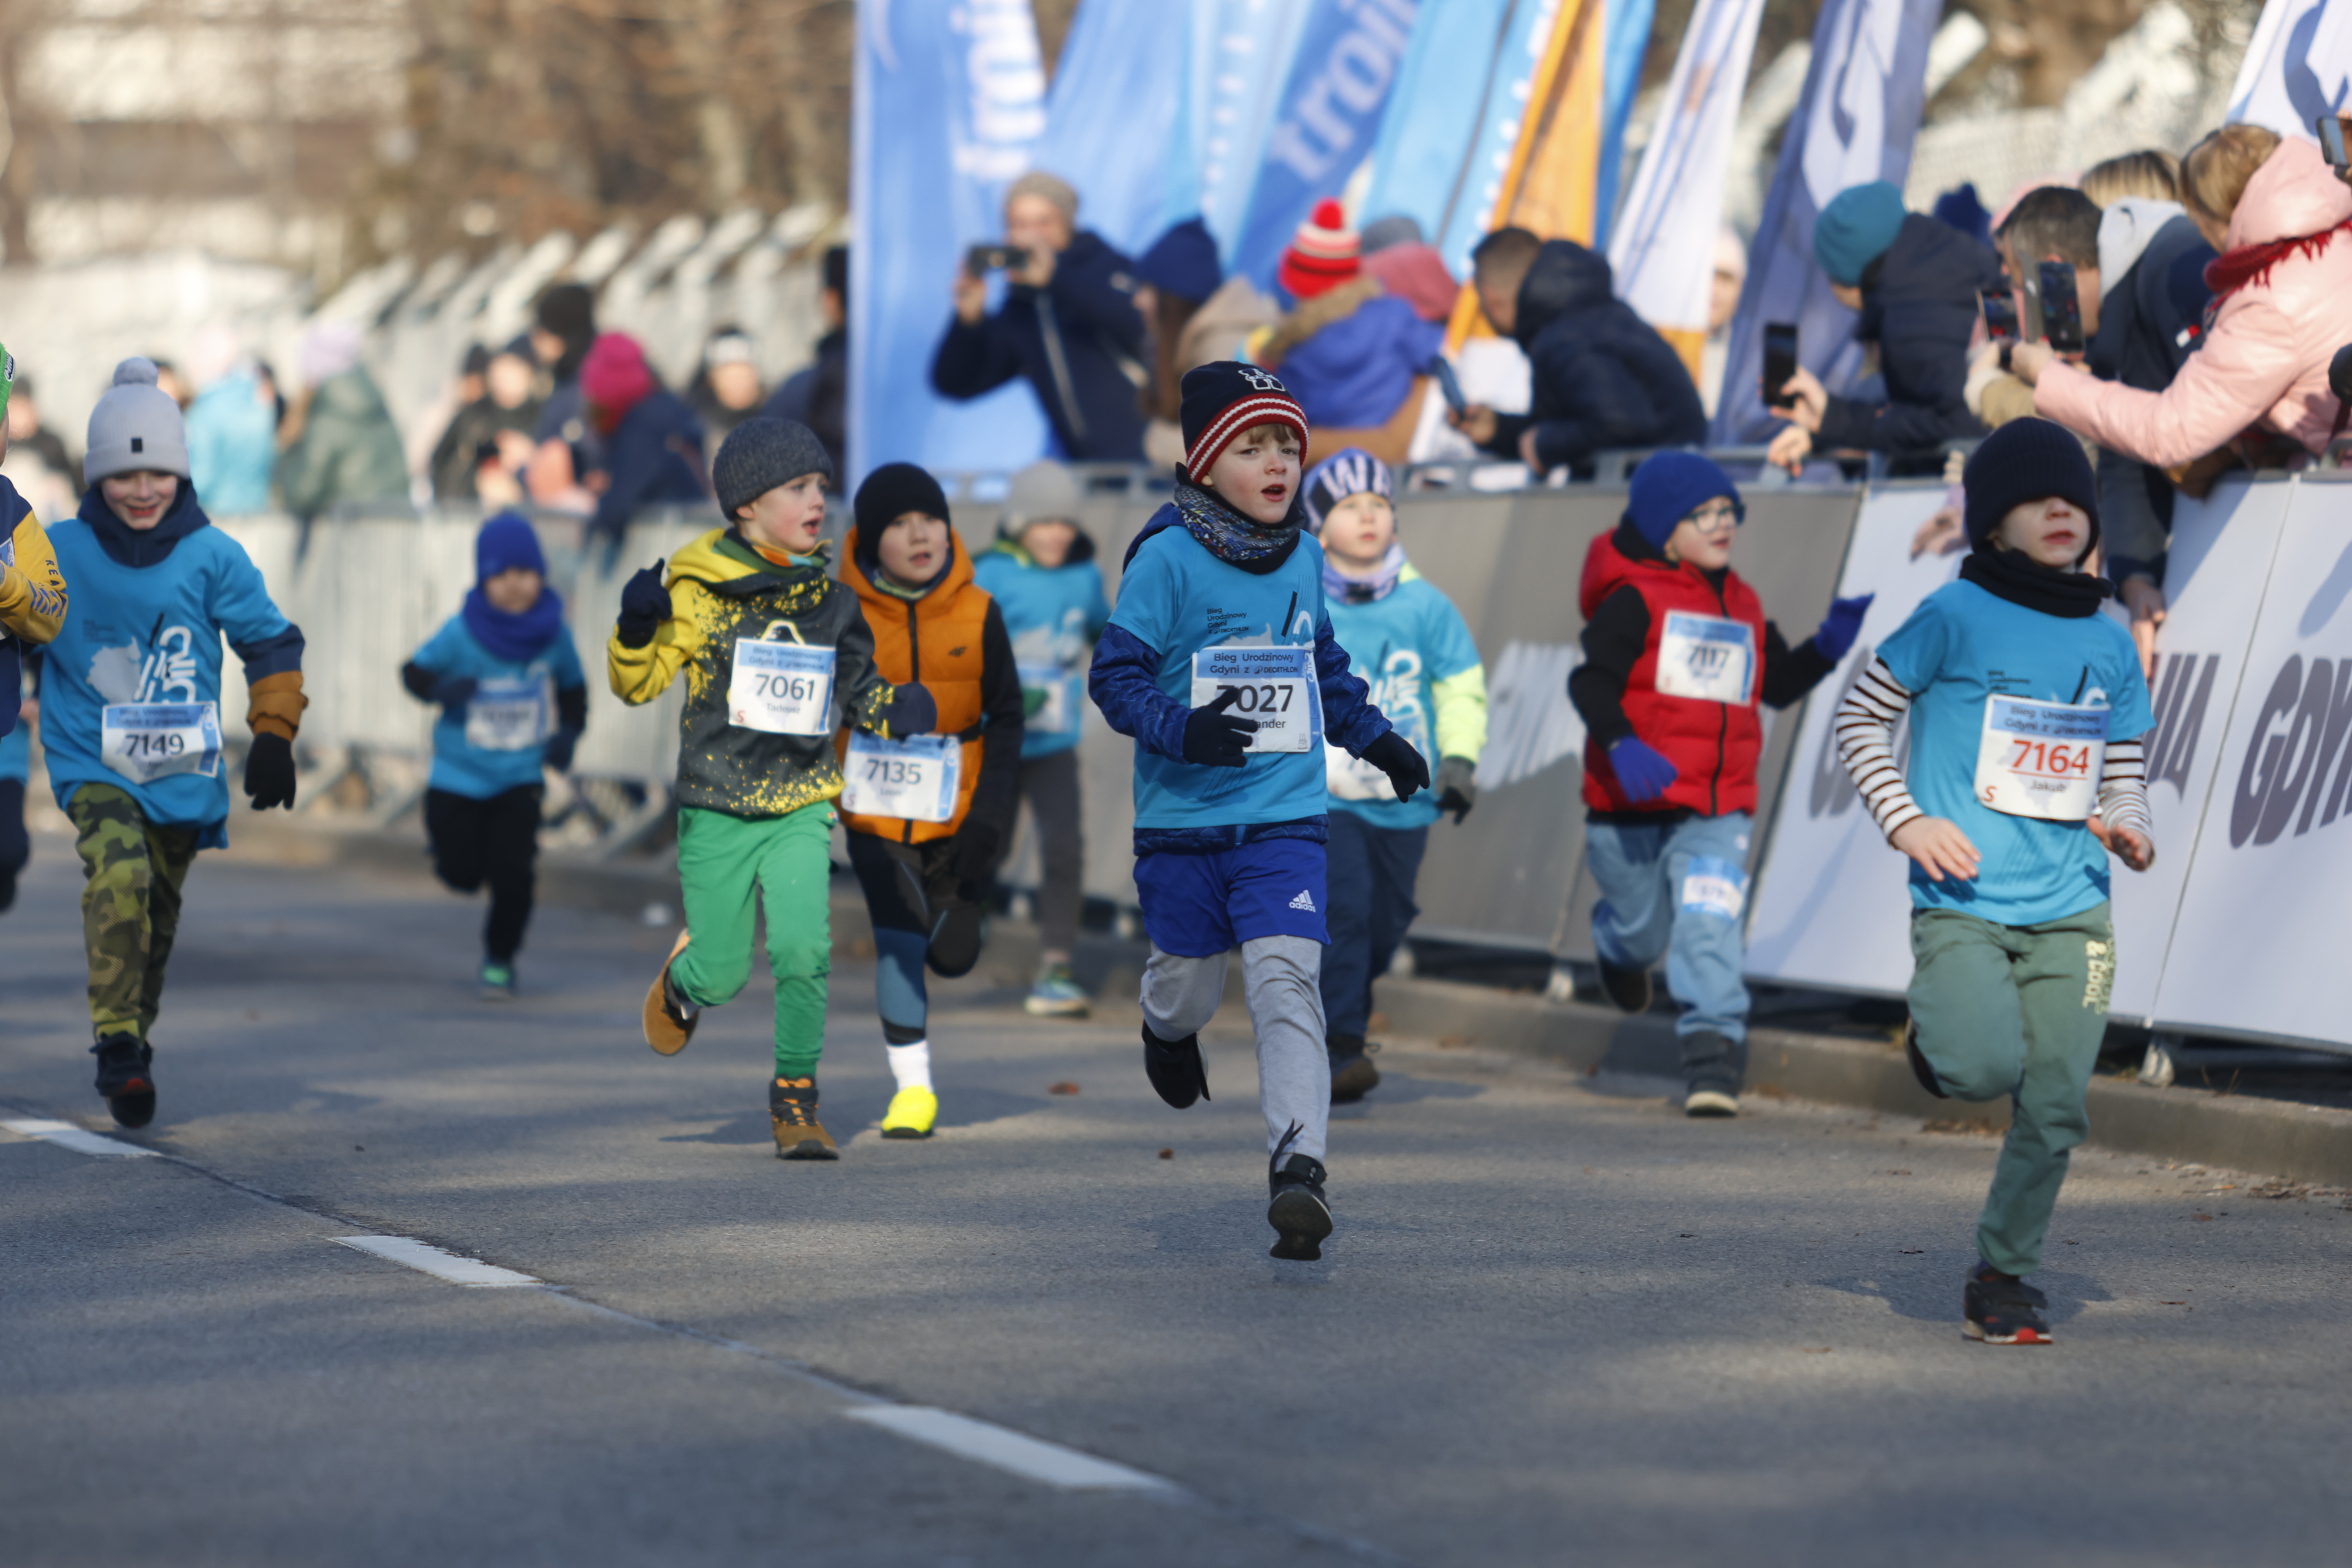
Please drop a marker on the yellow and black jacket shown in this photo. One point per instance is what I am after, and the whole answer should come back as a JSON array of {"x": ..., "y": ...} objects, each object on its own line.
[
  {"x": 32, "y": 594},
  {"x": 722, "y": 590}
]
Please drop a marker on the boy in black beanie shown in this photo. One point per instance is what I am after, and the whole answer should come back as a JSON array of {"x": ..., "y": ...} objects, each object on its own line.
[{"x": 2028, "y": 712}]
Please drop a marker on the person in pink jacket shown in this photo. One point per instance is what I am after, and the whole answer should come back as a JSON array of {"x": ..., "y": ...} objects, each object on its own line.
[{"x": 2283, "y": 297}]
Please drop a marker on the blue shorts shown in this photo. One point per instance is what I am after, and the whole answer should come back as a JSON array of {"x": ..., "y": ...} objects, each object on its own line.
[{"x": 1198, "y": 905}]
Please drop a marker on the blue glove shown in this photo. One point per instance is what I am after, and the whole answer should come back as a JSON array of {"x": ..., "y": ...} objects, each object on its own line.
[
  {"x": 454, "y": 693},
  {"x": 1841, "y": 627},
  {"x": 558, "y": 749},
  {"x": 644, "y": 606},
  {"x": 1640, "y": 772}
]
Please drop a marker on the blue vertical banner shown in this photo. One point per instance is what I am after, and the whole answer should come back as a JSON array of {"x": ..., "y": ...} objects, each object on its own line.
[
  {"x": 1329, "y": 116},
  {"x": 1111, "y": 118},
  {"x": 1626, "y": 43},
  {"x": 1865, "y": 92},
  {"x": 1236, "y": 59},
  {"x": 949, "y": 101}
]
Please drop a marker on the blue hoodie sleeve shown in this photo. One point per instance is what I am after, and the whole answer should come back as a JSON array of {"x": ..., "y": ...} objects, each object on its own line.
[
  {"x": 1350, "y": 719},
  {"x": 1125, "y": 684}
]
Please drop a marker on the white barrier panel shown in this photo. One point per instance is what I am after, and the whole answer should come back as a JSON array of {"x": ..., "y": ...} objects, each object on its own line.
[{"x": 2258, "y": 949}]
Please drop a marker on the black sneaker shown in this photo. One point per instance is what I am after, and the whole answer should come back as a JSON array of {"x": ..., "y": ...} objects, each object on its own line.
[
  {"x": 1175, "y": 1069},
  {"x": 1911, "y": 1053},
  {"x": 1352, "y": 1072},
  {"x": 2002, "y": 1309},
  {"x": 1628, "y": 990},
  {"x": 1300, "y": 1215},
  {"x": 126, "y": 1078}
]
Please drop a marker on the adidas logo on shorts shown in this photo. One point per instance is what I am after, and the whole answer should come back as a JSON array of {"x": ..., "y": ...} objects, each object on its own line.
[{"x": 1305, "y": 900}]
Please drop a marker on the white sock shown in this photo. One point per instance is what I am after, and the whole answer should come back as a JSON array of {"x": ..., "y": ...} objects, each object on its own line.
[{"x": 911, "y": 1065}]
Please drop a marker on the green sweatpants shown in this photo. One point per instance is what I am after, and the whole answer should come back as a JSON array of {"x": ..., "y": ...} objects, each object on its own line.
[
  {"x": 130, "y": 904},
  {"x": 2016, "y": 1011},
  {"x": 726, "y": 866}
]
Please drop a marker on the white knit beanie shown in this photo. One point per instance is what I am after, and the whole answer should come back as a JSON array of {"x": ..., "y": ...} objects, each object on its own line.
[{"x": 135, "y": 426}]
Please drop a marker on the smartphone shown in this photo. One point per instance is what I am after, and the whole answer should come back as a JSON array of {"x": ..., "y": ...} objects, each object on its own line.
[
  {"x": 982, "y": 259},
  {"x": 2062, "y": 308},
  {"x": 1780, "y": 363},
  {"x": 1448, "y": 383},
  {"x": 2331, "y": 140},
  {"x": 2000, "y": 314}
]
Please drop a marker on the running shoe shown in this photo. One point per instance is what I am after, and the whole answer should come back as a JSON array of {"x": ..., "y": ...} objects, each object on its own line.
[
  {"x": 1628, "y": 990},
  {"x": 2002, "y": 1309},
  {"x": 1710, "y": 1102},
  {"x": 1055, "y": 995},
  {"x": 497, "y": 981},
  {"x": 1299, "y": 1214},
  {"x": 669, "y": 1019},
  {"x": 1352, "y": 1072},
  {"x": 913, "y": 1113},
  {"x": 792, "y": 1116},
  {"x": 1918, "y": 1060},
  {"x": 1175, "y": 1069},
  {"x": 126, "y": 1076}
]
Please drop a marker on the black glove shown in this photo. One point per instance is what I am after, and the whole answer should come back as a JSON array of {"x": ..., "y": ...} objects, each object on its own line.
[
  {"x": 558, "y": 749},
  {"x": 269, "y": 771},
  {"x": 1456, "y": 786},
  {"x": 975, "y": 853},
  {"x": 454, "y": 693},
  {"x": 1214, "y": 738},
  {"x": 644, "y": 606},
  {"x": 912, "y": 712},
  {"x": 1394, "y": 756}
]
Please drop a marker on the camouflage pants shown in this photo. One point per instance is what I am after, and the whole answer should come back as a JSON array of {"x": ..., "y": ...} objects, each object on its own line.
[{"x": 129, "y": 905}]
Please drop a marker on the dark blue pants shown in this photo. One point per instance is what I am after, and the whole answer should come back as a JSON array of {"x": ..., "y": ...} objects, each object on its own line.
[{"x": 1372, "y": 870}]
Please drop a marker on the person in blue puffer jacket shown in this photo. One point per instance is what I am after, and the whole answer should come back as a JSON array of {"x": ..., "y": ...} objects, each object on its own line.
[
  {"x": 1348, "y": 350},
  {"x": 513, "y": 699},
  {"x": 1041, "y": 571}
]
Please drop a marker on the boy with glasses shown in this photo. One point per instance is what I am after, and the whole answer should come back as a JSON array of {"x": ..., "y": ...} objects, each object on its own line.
[{"x": 1677, "y": 654}]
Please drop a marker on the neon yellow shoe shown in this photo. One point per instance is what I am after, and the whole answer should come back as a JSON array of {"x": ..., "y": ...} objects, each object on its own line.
[{"x": 912, "y": 1114}]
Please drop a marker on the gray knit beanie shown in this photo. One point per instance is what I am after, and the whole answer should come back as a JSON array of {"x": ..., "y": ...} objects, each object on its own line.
[
  {"x": 135, "y": 426},
  {"x": 761, "y": 454},
  {"x": 1045, "y": 491}
]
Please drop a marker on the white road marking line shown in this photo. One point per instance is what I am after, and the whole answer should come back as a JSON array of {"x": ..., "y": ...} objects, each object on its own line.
[
  {"x": 80, "y": 1140},
  {"x": 1008, "y": 1450},
  {"x": 427, "y": 1259}
]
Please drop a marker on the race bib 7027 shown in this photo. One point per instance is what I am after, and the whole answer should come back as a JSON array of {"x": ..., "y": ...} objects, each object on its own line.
[{"x": 1275, "y": 686}]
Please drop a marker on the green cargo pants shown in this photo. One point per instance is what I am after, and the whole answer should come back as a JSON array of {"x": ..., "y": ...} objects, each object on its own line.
[
  {"x": 2016, "y": 1011},
  {"x": 130, "y": 904},
  {"x": 726, "y": 866}
]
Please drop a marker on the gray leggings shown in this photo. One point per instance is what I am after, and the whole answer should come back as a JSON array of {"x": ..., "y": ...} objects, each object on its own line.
[{"x": 1282, "y": 977}]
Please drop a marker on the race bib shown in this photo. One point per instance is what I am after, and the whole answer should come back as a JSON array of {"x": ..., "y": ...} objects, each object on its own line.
[
  {"x": 782, "y": 688},
  {"x": 1275, "y": 685},
  {"x": 1051, "y": 682},
  {"x": 1715, "y": 886},
  {"x": 144, "y": 742},
  {"x": 510, "y": 715},
  {"x": 2041, "y": 759},
  {"x": 915, "y": 779},
  {"x": 1707, "y": 657}
]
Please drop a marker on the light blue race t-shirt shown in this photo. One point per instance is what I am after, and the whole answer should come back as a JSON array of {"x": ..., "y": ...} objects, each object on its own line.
[
  {"x": 494, "y": 743},
  {"x": 1402, "y": 644},
  {"x": 1961, "y": 649}
]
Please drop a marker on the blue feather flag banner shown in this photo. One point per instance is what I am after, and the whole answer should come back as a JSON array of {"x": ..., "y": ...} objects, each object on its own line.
[
  {"x": 1236, "y": 61},
  {"x": 1627, "y": 35},
  {"x": 1865, "y": 92},
  {"x": 949, "y": 102},
  {"x": 1111, "y": 118}
]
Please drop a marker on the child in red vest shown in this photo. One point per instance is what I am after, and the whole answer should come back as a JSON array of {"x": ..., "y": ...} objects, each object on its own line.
[{"x": 1677, "y": 654}]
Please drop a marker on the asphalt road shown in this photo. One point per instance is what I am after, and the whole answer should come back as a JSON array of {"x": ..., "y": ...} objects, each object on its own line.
[{"x": 1558, "y": 1323}]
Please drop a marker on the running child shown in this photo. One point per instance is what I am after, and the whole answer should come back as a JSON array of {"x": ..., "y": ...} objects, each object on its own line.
[
  {"x": 925, "y": 812},
  {"x": 1413, "y": 646},
  {"x": 776, "y": 656},
  {"x": 1677, "y": 654},
  {"x": 1221, "y": 663},
  {"x": 130, "y": 709},
  {"x": 1041, "y": 574},
  {"x": 513, "y": 699},
  {"x": 2028, "y": 714},
  {"x": 32, "y": 609}
]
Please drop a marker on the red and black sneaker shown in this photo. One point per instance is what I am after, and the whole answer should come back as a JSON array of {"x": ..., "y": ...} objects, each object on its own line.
[
  {"x": 126, "y": 1076},
  {"x": 2002, "y": 1309}
]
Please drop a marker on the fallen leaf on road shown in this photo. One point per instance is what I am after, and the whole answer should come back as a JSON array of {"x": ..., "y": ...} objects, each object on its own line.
[
  {"x": 1064, "y": 1086},
  {"x": 1910, "y": 1251},
  {"x": 1168, "y": 1153},
  {"x": 2172, "y": 1304},
  {"x": 2200, "y": 1216},
  {"x": 1898, "y": 1173},
  {"x": 1810, "y": 1350},
  {"x": 1690, "y": 1236}
]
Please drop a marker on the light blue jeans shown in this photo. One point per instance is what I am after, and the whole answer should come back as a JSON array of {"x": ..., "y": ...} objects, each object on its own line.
[{"x": 1678, "y": 890}]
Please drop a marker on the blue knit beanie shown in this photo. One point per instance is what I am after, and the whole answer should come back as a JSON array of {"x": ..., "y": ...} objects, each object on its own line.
[
  {"x": 506, "y": 540},
  {"x": 1670, "y": 486},
  {"x": 1856, "y": 230},
  {"x": 1184, "y": 262}
]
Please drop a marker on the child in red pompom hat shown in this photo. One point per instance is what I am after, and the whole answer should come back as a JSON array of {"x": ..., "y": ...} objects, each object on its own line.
[{"x": 1323, "y": 254}]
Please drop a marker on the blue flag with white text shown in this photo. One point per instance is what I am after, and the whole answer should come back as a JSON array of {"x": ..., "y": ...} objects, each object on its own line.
[{"x": 1111, "y": 118}]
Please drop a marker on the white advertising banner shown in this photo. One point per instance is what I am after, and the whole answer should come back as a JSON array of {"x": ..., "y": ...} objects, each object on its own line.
[{"x": 2258, "y": 949}]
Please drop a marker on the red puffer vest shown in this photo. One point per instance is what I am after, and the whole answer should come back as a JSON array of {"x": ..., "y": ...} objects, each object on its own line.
[{"x": 1704, "y": 721}]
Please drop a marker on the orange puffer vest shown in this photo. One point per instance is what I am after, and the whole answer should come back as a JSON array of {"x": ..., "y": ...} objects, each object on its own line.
[{"x": 936, "y": 640}]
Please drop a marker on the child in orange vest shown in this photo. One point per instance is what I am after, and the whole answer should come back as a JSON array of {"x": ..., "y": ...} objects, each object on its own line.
[{"x": 926, "y": 814}]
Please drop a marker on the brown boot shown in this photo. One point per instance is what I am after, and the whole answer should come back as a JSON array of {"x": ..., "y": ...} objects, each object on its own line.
[
  {"x": 666, "y": 1028},
  {"x": 792, "y": 1116}
]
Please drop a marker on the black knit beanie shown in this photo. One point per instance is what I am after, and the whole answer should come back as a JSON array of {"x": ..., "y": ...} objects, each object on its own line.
[
  {"x": 1223, "y": 399},
  {"x": 761, "y": 454},
  {"x": 2027, "y": 460},
  {"x": 889, "y": 493}
]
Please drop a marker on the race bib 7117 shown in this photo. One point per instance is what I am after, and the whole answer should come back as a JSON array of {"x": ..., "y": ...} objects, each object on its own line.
[{"x": 1706, "y": 656}]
